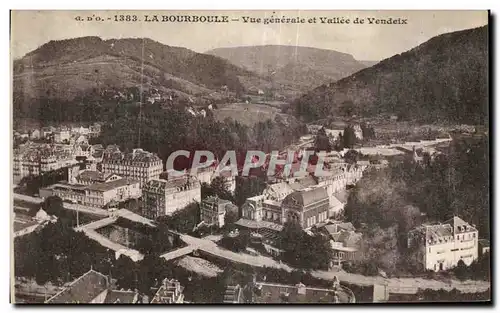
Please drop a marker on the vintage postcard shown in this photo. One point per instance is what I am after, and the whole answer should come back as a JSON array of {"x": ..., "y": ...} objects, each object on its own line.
[{"x": 166, "y": 157}]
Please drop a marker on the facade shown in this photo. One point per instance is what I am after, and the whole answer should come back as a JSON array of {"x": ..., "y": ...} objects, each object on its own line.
[
  {"x": 33, "y": 159},
  {"x": 169, "y": 292},
  {"x": 306, "y": 207},
  {"x": 213, "y": 211},
  {"x": 96, "y": 194},
  {"x": 83, "y": 150},
  {"x": 139, "y": 164},
  {"x": 441, "y": 246},
  {"x": 62, "y": 135},
  {"x": 164, "y": 197}
]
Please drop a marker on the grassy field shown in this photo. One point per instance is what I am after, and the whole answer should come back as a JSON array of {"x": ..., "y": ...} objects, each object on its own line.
[{"x": 248, "y": 114}]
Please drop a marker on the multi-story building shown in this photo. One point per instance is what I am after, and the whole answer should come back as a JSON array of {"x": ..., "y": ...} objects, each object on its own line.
[
  {"x": 96, "y": 194},
  {"x": 61, "y": 136},
  {"x": 139, "y": 164},
  {"x": 169, "y": 292},
  {"x": 80, "y": 130},
  {"x": 440, "y": 247},
  {"x": 345, "y": 241},
  {"x": 306, "y": 207},
  {"x": 164, "y": 197},
  {"x": 46, "y": 132},
  {"x": 83, "y": 150},
  {"x": 213, "y": 211},
  {"x": 33, "y": 159}
]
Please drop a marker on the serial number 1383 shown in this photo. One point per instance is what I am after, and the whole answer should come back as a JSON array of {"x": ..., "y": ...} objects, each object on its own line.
[{"x": 126, "y": 18}]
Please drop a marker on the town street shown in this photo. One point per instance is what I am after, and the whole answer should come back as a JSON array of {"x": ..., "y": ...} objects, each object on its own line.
[{"x": 394, "y": 285}]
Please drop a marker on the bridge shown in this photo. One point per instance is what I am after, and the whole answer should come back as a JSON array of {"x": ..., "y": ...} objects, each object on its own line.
[{"x": 90, "y": 231}]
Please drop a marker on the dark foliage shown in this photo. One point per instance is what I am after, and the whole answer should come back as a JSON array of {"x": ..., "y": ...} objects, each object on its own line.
[
  {"x": 304, "y": 251},
  {"x": 443, "y": 79}
]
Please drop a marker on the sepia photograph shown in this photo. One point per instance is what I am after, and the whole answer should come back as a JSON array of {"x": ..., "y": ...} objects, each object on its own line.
[{"x": 250, "y": 157}]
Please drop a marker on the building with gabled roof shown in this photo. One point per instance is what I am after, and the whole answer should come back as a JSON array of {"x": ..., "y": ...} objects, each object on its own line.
[
  {"x": 441, "y": 246},
  {"x": 94, "y": 287},
  {"x": 345, "y": 241}
]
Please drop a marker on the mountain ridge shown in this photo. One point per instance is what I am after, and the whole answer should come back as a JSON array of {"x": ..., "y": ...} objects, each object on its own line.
[
  {"x": 287, "y": 65},
  {"x": 444, "y": 77},
  {"x": 121, "y": 63}
]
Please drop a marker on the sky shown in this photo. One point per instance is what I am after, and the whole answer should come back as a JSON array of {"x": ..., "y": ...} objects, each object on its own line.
[{"x": 31, "y": 29}]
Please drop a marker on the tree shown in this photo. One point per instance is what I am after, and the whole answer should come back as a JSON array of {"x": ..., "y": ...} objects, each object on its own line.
[
  {"x": 236, "y": 243},
  {"x": 303, "y": 250},
  {"x": 220, "y": 189},
  {"x": 352, "y": 156},
  {"x": 349, "y": 137},
  {"x": 367, "y": 131},
  {"x": 461, "y": 270},
  {"x": 322, "y": 142},
  {"x": 230, "y": 218},
  {"x": 247, "y": 187}
]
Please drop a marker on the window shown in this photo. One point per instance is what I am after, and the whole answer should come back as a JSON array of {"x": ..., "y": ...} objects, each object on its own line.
[
  {"x": 458, "y": 237},
  {"x": 429, "y": 250},
  {"x": 474, "y": 235}
]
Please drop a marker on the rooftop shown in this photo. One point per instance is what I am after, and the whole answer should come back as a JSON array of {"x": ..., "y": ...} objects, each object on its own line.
[
  {"x": 83, "y": 290},
  {"x": 113, "y": 154},
  {"x": 121, "y": 296},
  {"x": 309, "y": 196},
  {"x": 278, "y": 293},
  {"x": 112, "y": 184},
  {"x": 161, "y": 185},
  {"x": 258, "y": 224},
  {"x": 89, "y": 175}
]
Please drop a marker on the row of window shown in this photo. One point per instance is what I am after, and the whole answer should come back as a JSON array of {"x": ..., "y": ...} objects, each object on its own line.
[
  {"x": 469, "y": 236},
  {"x": 310, "y": 221}
]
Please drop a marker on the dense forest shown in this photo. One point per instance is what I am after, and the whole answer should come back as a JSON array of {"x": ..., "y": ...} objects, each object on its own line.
[
  {"x": 443, "y": 80},
  {"x": 165, "y": 130}
]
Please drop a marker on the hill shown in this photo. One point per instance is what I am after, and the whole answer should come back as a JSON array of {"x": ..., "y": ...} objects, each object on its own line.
[
  {"x": 64, "y": 69},
  {"x": 292, "y": 67},
  {"x": 444, "y": 79}
]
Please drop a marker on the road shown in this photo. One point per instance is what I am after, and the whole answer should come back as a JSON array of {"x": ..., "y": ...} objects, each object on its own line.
[{"x": 394, "y": 285}]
